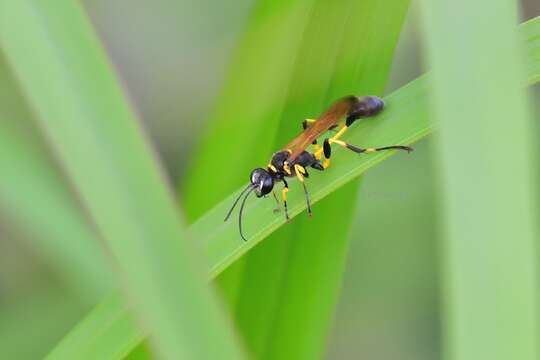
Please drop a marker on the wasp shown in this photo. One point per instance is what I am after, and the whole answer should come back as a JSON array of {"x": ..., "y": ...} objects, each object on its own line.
[{"x": 294, "y": 160}]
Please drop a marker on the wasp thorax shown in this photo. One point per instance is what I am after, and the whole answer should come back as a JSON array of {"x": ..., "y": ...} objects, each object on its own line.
[{"x": 279, "y": 158}]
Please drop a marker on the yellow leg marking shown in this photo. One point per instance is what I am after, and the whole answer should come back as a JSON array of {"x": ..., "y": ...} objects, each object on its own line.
[
  {"x": 289, "y": 151},
  {"x": 333, "y": 140},
  {"x": 340, "y": 143},
  {"x": 300, "y": 169},
  {"x": 311, "y": 121},
  {"x": 286, "y": 168},
  {"x": 317, "y": 151},
  {"x": 300, "y": 172},
  {"x": 278, "y": 206},
  {"x": 343, "y": 144},
  {"x": 326, "y": 163},
  {"x": 339, "y": 134},
  {"x": 284, "y": 193}
]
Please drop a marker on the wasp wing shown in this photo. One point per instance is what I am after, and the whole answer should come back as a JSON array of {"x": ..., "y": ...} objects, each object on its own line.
[{"x": 323, "y": 123}]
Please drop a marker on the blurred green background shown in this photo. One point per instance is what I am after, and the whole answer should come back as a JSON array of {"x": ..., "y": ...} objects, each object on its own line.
[{"x": 172, "y": 58}]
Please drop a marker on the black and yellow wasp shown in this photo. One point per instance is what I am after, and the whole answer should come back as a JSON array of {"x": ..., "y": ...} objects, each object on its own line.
[{"x": 293, "y": 160}]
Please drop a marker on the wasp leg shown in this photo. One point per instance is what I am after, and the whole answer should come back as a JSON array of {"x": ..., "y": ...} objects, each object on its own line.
[
  {"x": 335, "y": 140},
  {"x": 327, "y": 150},
  {"x": 284, "y": 196},
  {"x": 326, "y": 146},
  {"x": 278, "y": 206},
  {"x": 300, "y": 174},
  {"x": 372, "y": 150},
  {"x": 317, "y": 166},
  {"x": 300, "y": 171}
]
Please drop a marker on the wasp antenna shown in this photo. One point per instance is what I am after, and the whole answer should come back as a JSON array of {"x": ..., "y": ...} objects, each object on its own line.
[
  {"x": 236, "y": 202},
  {"x": 240, "y": 213}
]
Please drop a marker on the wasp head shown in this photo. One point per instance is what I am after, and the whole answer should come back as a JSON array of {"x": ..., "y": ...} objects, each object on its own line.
[{"x": 262, "y": 181}]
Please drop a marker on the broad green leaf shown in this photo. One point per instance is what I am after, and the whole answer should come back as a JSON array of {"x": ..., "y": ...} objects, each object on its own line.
[
  {"x": 247, "y": 112},
  {"x": 486, "y": 177},
  {"x": 43, "y": 210},
  {"x": 32, "y": 321},
  {"x": 405, "y": 120},
  {"x": 79, "y": 104},
  {"x": 285, "y": 278}
]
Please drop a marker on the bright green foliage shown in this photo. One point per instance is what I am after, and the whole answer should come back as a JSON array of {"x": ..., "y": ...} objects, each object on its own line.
[
  {"x": 44, "y": 209},
  {"x": 96, "y": 137},
  {"x": 118, "y": 334},
  {"x": 252, "y": 100},
  {"x": 487, "y": 167},
  {"x": 405, "y": 120},
  {"x": 292, "y": 280},
  {"x": 99, "y": 146},
  {"x": 529, "y": 34}
]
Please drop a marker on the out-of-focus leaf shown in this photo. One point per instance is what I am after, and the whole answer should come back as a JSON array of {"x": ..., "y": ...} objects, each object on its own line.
[
  {"x": 405, "y": 120},
  {"x": 95, "y": 135},
  {"x": 34, "y": 197},
  {"x": 486, "y": 164}
]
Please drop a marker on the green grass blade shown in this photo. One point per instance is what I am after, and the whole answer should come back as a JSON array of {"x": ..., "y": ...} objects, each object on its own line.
[
  {"x": 306, "y": 258},
  {"x": 247, "y": 112},
  {"x": 405, "y": 120},
  {"x": 43, "y": 210},
  {"x": 42, "y": 315},
  {"x": 270, "y": 263},
  {"x": 96, "y": 137},
  {"x": 118, "y": 333},
  {"x": 487, "y": 165},
  {"x": 529, "y": 34}
]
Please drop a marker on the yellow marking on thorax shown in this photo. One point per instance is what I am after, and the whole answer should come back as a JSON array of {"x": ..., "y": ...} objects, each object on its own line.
[
  {"x": 272, "y": 167},
  {"x": 286, "y": 168},
  {"x": 300, "y": 172}
]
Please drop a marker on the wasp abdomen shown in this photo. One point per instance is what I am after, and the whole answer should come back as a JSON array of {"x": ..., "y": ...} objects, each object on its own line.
[{"x": 365, "y": 106}]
